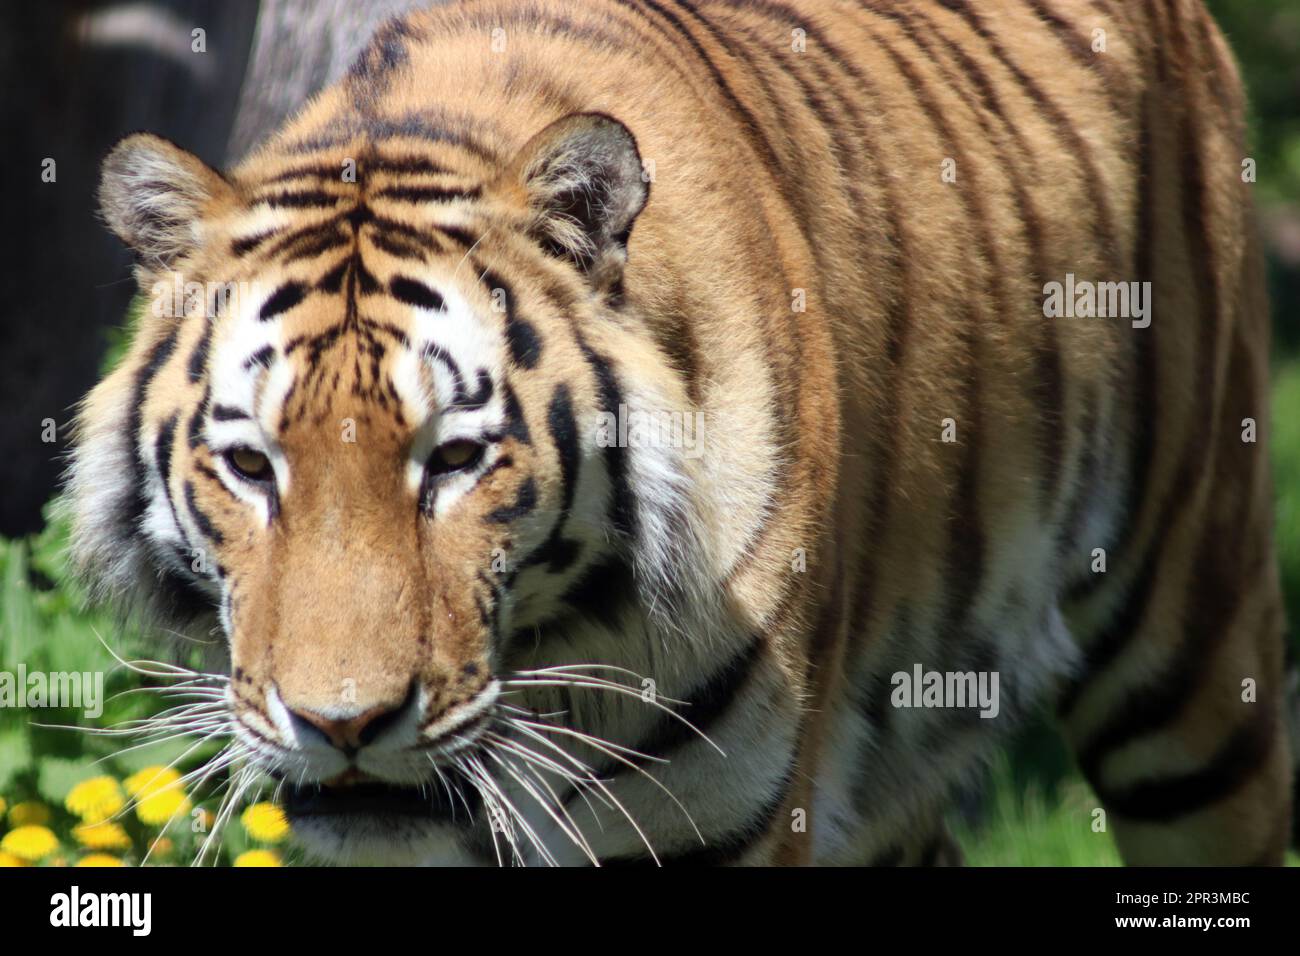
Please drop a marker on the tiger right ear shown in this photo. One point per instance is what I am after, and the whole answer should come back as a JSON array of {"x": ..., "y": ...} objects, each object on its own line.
[
  {"x": 153, "y": 194},
  {"x": 581, "y": 180}
]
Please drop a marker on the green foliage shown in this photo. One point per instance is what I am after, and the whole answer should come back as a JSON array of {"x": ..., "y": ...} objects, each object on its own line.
[
  {"x": 1265, "y": 35},
  {"x": 1285, "y": 447},
  {"x": 45, "y": 752}
]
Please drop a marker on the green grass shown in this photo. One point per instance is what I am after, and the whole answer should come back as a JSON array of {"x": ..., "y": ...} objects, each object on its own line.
[{"x": 1030, "y": 827}]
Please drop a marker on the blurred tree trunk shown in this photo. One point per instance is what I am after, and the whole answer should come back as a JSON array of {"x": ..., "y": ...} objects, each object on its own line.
[
  {"x": 76, "y": 77},
  {"x": 301, "y": 46}
]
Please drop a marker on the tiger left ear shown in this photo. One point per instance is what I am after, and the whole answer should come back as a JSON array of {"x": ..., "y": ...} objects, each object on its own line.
[
  {"x": 581, "y": 180},
  {"x": 154, "y": 196}
]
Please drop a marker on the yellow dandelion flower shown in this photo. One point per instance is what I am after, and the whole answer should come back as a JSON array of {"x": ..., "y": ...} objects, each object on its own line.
[
  {"x": 30, "y": 843},
  {"x": 95, "y": 800},
  {"x": 258, "y": 858},
  {"x": 265, "y": 822},
  {"x": 151, "y": 780},
  {"x": 99, "y": 859},
  {"x": 29, "y": 813},
  {"x": 158, "y": 793},
  {"x": 3, "y": 805},
  {"x": 102, "y": 836},
  {"x": 8, "y": 860},
  {"x": 157, "y": 809}
]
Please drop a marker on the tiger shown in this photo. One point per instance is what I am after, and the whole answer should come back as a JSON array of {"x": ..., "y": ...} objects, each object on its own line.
[{"x": 669, "y": 432}]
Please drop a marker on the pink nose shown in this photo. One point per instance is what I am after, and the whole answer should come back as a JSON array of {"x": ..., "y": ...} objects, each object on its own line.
[{"x": 350, "y": 733}]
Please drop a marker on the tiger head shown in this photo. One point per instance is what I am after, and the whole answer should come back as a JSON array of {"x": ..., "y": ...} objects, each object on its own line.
[{"x": 358, "y": 429}]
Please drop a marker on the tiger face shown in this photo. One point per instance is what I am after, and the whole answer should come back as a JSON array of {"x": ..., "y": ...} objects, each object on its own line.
[{"x": 362, "y": 445}]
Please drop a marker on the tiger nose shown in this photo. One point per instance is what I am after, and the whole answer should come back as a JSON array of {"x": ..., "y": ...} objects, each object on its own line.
[{"x": 349, "y": 733}]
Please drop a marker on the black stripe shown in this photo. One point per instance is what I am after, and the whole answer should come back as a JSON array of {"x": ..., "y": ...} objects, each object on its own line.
[
  {"x": 313, "y": 171},
  {"x": 225, "y": 413},
  {"x": 440, "y": 355},
  {"x": 240, "y": 247},
  {"x": 282, "y": 300},
  {"x": 429, "y": 193},
  {"x": 154, "y": 362},
  {"x": 409, "y": 233},
  {"x": 525, "y": 502},
  {"x": 331, "y": 283},
  {"x": 308, "y": 199},
  {"x": 261, "y": 357},
  {"x": 404, "y": 165},
  {"x": 489, "y": 615},
  {"x": 482, "y": 394},
  {"x": 198, "y": 364},
  {"x": 461, "y": 235},
  {"x": 558, "y": 552},
  {"x": 728, "y": 848},
  {"x": 180, "y": 598},
  {"x": 850, "y": 158},
  {"x": 415, "y": 293},
  {"x": 365, "y": 280},
  {"x": 200, "y": 518},
  {"x": 163, "y": 453},
  {"x": 602, "y": 592},
  {"x": 564, "y": 433},
  {"x": 622, "y": 512},
  {"x": 1168, "y": 798},
  {"x": 521, "y": 335},
  {"x": 516, "y": 424},
  {"x": 194, "y": 431},
  {"x": 316, "y": 245},
  {"x": 705, "y": 706},
  {"x": 180, "y": 592},
  {"x": 397, "y": 247}
]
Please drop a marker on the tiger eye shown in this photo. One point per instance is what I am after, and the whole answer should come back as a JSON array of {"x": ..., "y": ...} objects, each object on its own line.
[
  {"x": 454, "y": 456},
  {"x": 249, "y": 464}
]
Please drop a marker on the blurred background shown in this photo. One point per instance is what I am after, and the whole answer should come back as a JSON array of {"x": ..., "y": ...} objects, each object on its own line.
[{"x": 215, "y": 76}]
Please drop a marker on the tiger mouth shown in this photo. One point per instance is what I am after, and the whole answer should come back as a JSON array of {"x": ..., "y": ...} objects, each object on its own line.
[{"x": 431, "y": 802}]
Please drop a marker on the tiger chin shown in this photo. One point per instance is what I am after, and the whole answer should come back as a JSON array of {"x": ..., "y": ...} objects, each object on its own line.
[{"x": 410, "y": 440}]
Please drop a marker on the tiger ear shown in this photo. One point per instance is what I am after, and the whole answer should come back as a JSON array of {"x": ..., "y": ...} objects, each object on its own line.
[
  {"x": 153, "y": 195},
  {"x": 581, "y": 180}
]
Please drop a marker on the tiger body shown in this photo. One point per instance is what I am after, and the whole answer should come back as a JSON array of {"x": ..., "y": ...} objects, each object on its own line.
[{"x": 825, "y": 230}]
